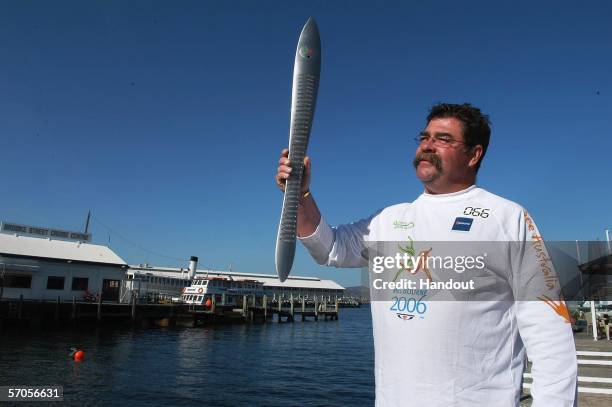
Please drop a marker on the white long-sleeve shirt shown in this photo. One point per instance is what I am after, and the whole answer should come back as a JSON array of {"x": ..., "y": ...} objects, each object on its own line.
[{"x": 463, "y": 353}]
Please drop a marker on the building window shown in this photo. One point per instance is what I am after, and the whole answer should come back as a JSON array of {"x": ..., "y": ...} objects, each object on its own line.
[
  {"x": 79, "y": 284},
  {"x": 55, "y": 283},
  {"x": 16, "y": 281}
]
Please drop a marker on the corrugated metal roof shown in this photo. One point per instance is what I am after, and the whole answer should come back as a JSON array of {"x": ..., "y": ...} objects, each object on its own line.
[
  {"x": 57, "y": 249},
  {"x": 269, "y": 280}
]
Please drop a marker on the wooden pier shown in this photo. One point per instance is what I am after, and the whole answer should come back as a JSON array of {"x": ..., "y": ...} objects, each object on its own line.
[
  {"x": 261, "y": 309},
  {"x": 251, "y": 309}
]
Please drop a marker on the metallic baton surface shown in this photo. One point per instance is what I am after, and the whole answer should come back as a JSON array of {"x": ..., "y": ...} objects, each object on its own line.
[{"x": 306, "y": 73}]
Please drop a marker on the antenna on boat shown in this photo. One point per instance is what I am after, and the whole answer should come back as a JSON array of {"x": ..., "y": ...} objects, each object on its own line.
[{"x": 87, "y": 221}]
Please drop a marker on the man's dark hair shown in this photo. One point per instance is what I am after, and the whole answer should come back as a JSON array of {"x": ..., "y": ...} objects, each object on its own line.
[{"x": 476, "y": 128}]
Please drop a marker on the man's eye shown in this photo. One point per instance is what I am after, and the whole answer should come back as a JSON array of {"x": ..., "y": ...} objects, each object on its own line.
[{"x": 445, "y": 140}]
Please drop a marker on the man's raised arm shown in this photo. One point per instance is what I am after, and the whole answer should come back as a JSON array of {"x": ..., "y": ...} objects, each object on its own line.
[{"x": 343, "y": 246}]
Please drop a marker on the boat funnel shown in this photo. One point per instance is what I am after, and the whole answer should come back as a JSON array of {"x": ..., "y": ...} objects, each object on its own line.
[{"x": 193, "y": 266}]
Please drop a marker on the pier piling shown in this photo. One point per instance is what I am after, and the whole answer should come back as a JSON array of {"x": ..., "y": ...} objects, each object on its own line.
[
  {"x": 57, "y": 309},
  {"x": 73, "y": 315},
  {"x": 134, "y": 298},
  {"x": 99, "y": 310}
]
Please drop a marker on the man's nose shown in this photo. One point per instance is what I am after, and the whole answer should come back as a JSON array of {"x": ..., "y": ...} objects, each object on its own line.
[{"x": 427, "y": 145}]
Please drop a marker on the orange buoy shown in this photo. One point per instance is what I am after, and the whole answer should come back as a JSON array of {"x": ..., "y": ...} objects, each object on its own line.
[
  {"x": 208, "y": 303},
  {"x": 78, "y": 355}
]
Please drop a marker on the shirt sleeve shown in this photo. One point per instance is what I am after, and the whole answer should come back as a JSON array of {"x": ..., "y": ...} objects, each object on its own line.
[
  {"x": 341, "y": 246},
  {"x": 543, "y": 320}
]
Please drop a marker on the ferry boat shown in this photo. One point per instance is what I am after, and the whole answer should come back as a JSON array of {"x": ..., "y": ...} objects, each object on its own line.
[{"x": 203, "y": 289}]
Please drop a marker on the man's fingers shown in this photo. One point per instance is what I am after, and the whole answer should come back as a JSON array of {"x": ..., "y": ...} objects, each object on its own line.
[
  {"x": 284, "y": 154},
  {"x": 284, "y": 169},
  {"x": 280, "y": 181}
]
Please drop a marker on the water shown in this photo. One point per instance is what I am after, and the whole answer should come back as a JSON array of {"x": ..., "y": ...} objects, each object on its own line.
[{"x": 325, "y": 363}]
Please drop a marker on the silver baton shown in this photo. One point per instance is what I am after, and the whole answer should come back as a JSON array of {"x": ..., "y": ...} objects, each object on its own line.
[{"x": 306, "y": 72}]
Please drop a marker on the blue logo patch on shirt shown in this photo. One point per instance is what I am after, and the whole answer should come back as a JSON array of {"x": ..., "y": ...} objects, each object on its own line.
[{"x": 463, "y": 224}]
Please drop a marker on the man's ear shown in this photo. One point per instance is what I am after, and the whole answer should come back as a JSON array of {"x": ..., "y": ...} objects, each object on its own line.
[{"x": 476, "y": 155}]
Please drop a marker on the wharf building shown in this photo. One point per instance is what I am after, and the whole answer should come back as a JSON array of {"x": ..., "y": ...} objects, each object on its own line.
[{"x": 38, "y": 263}]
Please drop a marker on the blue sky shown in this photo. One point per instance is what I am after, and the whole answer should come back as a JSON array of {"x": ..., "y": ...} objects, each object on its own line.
[{"x": 166, "y": 118}]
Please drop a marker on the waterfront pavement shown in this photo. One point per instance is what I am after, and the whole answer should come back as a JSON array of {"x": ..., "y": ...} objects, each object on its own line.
[{"x": 594, "y": 372}]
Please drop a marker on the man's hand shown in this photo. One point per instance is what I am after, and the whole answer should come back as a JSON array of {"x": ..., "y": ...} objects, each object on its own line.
[
  {"x": 284, "y": 169},
  {"x": 308, "y": 216}
]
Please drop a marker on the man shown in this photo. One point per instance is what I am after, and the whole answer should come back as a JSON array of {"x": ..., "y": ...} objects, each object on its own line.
[{"x": 456, "y": 353}]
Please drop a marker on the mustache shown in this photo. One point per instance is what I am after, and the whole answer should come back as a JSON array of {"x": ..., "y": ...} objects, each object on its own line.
[{"x": 429, "y": 157}]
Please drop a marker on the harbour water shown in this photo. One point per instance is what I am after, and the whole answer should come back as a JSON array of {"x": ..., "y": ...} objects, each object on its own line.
[{"x": 324, "y": 363}]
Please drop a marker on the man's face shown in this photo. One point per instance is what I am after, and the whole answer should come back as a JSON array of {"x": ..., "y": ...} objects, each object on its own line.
[{"x": 443, "y": 165}]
